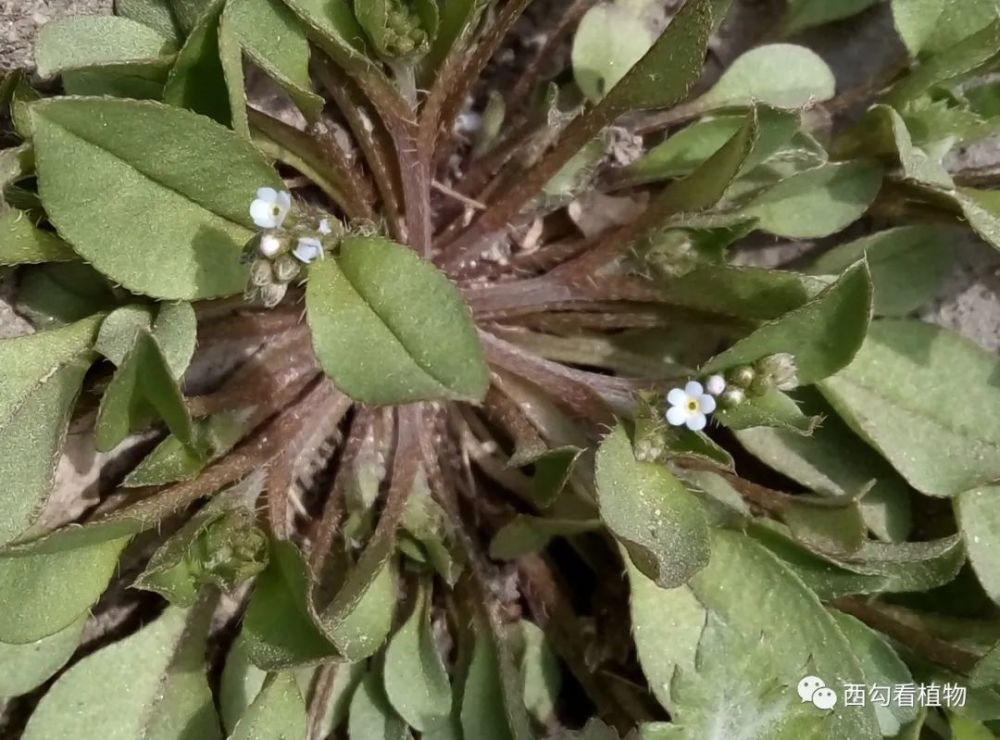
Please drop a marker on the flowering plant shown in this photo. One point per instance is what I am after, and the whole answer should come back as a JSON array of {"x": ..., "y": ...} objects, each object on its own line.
[{"x": 427, "y": 377}]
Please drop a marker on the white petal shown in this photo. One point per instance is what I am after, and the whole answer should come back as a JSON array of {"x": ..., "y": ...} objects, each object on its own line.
[
  {"x": 696, "y": 421},
  {"x": 677, "y": 397},
  {"x": 706, "y": 404},
  {"x": 262, "y": 214},
  {"x": 284, "y": 200},
  {"x": 677, "y": 415},
  {"x": 268, "y": 195},
  {"x": 307, "y": 250},
  {"x": 324, "y": 227},
  {"x": 694, "y": 389},
  {"x": 270, "y": 245},
  {"x": 716, "y": 384}
]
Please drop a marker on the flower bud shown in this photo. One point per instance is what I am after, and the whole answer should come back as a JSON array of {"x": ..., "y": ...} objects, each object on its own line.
[
  {"x": 286, "y": 268},
  {"x": 271, "y": 295},
  {"x": 270, "y": 244},
  {"x": 261, "y": 272},
  {"x": 780, "y": 370},
  {"x": 742, "y": 376},
  {"x": 732, "y": 397}
]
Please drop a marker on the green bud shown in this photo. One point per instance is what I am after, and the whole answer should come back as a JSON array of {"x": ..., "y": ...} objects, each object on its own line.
[
  {"x": 780, "y": 370},
  {"x": 229, "y": 551},
  {"x": 271, "y": 295},
  {"x": 286, "y": 268},
  {"x": 742, "y": 376},
  {"x": 261, "y": 272}
]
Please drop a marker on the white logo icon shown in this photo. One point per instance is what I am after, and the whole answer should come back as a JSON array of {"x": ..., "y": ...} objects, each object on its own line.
[{"x": 812, "y": 688}]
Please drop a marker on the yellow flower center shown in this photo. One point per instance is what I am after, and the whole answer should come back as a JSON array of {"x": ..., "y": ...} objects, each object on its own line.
[{"x": 692, "y": 405}]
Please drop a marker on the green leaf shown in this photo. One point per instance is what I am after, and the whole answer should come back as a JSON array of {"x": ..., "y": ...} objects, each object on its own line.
[
  {"x": 371, "y": 717},
  {"x": 390, "y": 329},
  {"x": 978, "y": 512},
  {"x": 881, "y": 665},
  {"x": 682, "y": 152},
  {"x": 734, "y": 691},
  {"x": 279, "y": 711},
  {"x": 802, "y": 14},
  {"x": 175, "y": 330},
  {"x": 359, "y": 619},
  {"x": 966, "y": 728},
  {"x": 187, "y": 12},
  {"x": 97, "y": 41},
  {"x": 874, "y": 568},
  {"x": 172, "y": 461},
  {"x": 660, "y": 523},
  {"x": 753, "y": 593},
  {"x": 665, "y": 74},
  {"x": 181, "y": 186},
  {"x": 908, "y": 264},
  {"x": 932, "y": 26},
  {"x": 834, "y": 462},
  {"x": 743, "y": 292},
  {"x": 817, "y": 202},
  {"x": 136, "y": 81},
  {"x": 43, "y": 374},
  {"x": 666, "y": 626},
  {"x": 951, "y": 65},
  {"x": 823, "y": 335},
  {"x": 277, "y": 629},
  {"x": 540, "y": 671},
  {"x": 197, "y": 80},
  {"x": 58, "y": 294},
  {"x": 275, "y": 40},
  {"x": 21, "y": 242},
  {"x": 608, "y": 42},
  {"x": 151, "y": 685},
  {"x": 525, "y": 534},
  {"x": 30, "y": 665},
  {"x": 781, "y": 75},
  {"x": 142, "y": 381},
  {"x": 483, "y": 713},
  {"x": 428, "y": 523},
  {"x": 240, "y": 684},
  {"x": 53, "y": 588},
  {"x": 416, "y": 682},
  {"x": 156, "y": 14},
  {"x": 898, "y": 393},
  {"x": 335, "y": 29},
  {"x": 773, "y": 409}
]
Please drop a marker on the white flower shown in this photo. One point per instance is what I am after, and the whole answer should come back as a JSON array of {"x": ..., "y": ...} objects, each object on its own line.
[
  {"x": 308, "y": 249},
  {"x": 689, "y": 406},
  {"x": 270, "y": 245},
  {"x": 715, "y": 384},
  {"x": 324, "y": 227},
  {"x": 270, "y": 207}
]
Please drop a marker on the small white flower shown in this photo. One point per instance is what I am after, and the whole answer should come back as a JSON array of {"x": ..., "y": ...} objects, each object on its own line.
[
  {"x": 324, "y": 227},
  {"x": 308, "y": 249},
  {"x": 270, "y": 245},
  {"x": 715, "y": 385},
  {"x": 689, "y": 406},
  {"x": 270, "y": 208}
]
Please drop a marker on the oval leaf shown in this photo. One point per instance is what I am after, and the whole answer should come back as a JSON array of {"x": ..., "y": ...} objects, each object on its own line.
[
  {"x": 782, "y": 75},
  {"x": 657, "y": 519},
  {"x": 899, "y": 395},
  {"x": 175, "y": 188},
  {"x": 390, "y": 329}
]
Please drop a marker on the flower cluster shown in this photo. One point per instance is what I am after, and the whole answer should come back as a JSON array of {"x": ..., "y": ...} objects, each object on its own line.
[
  {"x": 690, "y": 406},
  {"x": 286, "y": 243}
]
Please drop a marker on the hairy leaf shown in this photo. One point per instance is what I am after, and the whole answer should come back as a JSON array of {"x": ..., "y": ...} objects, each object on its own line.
[
  {"x": 178, "y": 185},
  {"x": 823, "y": 335},
  {"x": 279, "y": 711},
  {"x": 93, "y": 41},
  {"x": 29, "y": 665},
  {"x": 389, "y": 328},
  {"x": 655, "y": 517},
  {"x": 897, "y": 395},
  {"x": 782, "y": 75}
]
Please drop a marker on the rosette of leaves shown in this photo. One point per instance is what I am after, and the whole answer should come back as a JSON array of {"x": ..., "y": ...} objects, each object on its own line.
[{"x": 432, "y": 490}]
